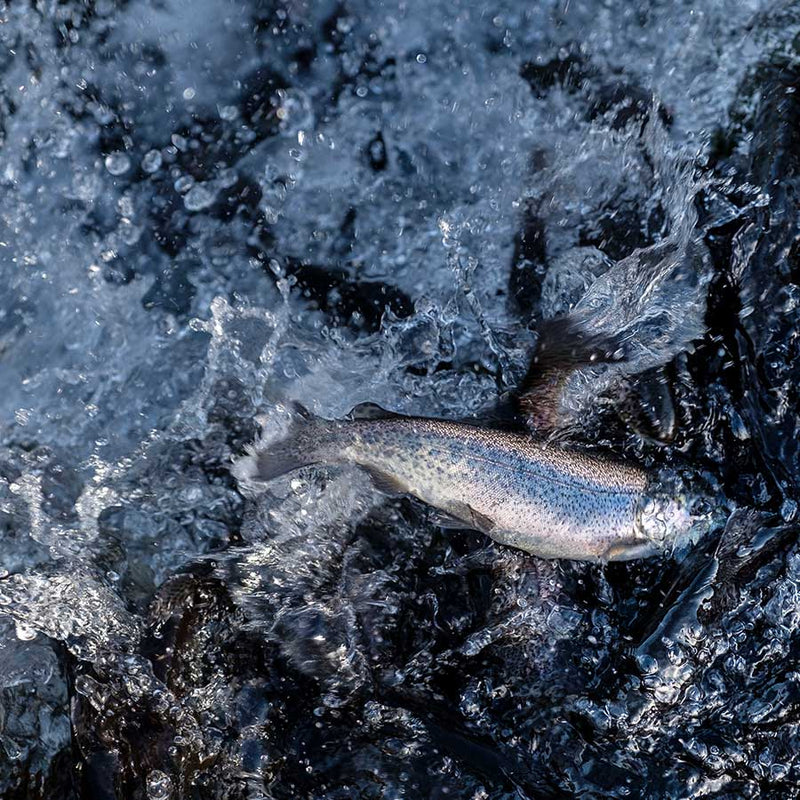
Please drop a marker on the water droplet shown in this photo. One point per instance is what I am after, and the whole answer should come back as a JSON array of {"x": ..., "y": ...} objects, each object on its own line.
[
  {"x": 118, "y": 163},
  {"x": 647, "y": 664},
  {"x": 12, "y": 749},
  {"x": 24, "y": 632},
  {"x": 198, "y": 198},
  {"x": 228, "y": 113},
  {"x": 183, "y": 184},
  {"x": 159, "y": 785},
  {"x": 227, "y": 178},
  {"x": 151, "y": 161}
]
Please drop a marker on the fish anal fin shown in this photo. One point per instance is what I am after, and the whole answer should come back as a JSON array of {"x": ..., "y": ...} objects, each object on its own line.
[
  {"x": 461, "y": 516},
  {"x": 447, "y": 521},
  {"x": 481, "y": 521}
]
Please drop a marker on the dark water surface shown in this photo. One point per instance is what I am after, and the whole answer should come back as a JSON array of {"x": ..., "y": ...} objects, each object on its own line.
[{"x": 211, "y": 208}]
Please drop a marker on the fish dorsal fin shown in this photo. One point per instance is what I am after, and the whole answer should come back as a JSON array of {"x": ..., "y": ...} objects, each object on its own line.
[
  {"x": 371, "y": 411},
  {"x": 563, "y": 348}
]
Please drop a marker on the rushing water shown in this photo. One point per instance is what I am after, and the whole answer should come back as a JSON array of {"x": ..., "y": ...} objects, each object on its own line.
[{"x": 214, "y": 208}]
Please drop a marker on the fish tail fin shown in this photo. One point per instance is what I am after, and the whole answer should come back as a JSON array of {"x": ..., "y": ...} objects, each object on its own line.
[
  {"x": 563, "y": 348},
  {"x": 307, "y": 441}
]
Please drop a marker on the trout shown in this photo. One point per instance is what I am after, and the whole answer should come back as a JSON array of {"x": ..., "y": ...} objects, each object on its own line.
[{"x": 539, "y": 497}]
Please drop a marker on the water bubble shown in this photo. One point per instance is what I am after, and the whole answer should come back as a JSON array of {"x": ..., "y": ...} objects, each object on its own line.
[
  {"x": 118, "y": 163},
  {"x": 647, "y": 664},
  {"x": 183, "y": 184},
  {"x": 130, "y": 233},
  {"x": 152, "y": 161},
  {"x": 198, "y": 198},
  {"x": 227, "y": 178},
  {"x": 228, "y": 113},
  {"x": 159, "y": 785},
  {"x": 778, "y": 771}
]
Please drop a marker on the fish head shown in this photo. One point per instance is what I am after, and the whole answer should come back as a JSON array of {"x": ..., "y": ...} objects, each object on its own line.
[
  {"x": 662, "y": 519},
  {"x": 674, "y": 518}
]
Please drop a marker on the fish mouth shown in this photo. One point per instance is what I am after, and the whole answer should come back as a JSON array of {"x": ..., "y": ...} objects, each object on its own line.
[{"x": 630, "y": 550}]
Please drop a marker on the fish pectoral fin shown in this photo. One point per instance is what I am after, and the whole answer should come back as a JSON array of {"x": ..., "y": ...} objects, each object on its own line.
[
  {"x": 386, "y": 483},
  {"x": 630, "y": 550}
]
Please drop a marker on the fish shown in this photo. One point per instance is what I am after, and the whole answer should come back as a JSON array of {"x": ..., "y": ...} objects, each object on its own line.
[
  {"x": 526, "y": 488},
  {"x": 531, "y": 494}
]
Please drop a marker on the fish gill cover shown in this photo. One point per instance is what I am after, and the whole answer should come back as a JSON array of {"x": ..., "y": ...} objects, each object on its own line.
[{"x": 211, "y": 209}]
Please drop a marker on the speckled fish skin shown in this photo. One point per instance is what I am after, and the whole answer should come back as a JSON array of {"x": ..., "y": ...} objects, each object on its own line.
[{"x": 544, "y": 499}]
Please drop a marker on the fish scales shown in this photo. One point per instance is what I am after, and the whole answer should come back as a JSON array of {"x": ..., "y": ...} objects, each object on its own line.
[{"x": 544, "y": 499}]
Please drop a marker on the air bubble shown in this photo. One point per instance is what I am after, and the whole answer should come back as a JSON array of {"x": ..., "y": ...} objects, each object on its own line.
[
  {"x": 198, "y": 198},
  {"x": 118, "y": 163},
  {"x": 159, "y": 785},
  {"x": 152, "y": 161}
]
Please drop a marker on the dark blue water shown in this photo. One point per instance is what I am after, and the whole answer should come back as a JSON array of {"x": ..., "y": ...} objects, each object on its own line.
[{"x": 213, "y": 208}]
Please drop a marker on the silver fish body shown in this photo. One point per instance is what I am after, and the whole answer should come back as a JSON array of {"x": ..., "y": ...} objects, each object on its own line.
[{"x": 544, "y": 499}]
